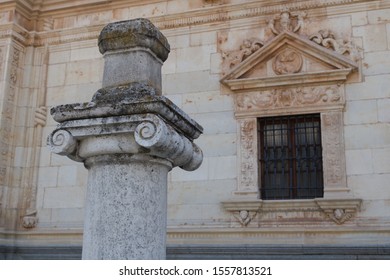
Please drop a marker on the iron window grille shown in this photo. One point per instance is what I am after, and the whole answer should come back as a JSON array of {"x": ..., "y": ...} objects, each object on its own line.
[{"x": 290, "y": 155}]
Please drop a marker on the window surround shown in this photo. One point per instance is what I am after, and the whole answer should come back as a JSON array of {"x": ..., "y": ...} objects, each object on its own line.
[{"x": 313, "y": 83}]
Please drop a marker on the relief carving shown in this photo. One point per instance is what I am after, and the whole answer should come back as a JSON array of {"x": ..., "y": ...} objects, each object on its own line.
[
  {"x": 247, "y": 48},
  {"x": 287, "y": 62},
  {"x": 248, "y": 150},
  {"x": 327, "y": 39},
  {"x": 286, "y": 21},
  {"x": 30, "y": 220},
  {"x": 334, "y": 167},
  {"x": 282, "y": 98},
  {"x": 245, "y": 216},
  {"x": 40, "y": 116}
]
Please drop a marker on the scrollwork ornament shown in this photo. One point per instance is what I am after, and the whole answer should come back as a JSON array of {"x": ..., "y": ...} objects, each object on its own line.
[
  {"x": 148, "y": 134},
  {"x": 62, "y": 142}
]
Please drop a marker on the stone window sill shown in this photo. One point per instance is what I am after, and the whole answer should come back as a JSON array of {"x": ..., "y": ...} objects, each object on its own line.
[{"x": 336, "y": 210}]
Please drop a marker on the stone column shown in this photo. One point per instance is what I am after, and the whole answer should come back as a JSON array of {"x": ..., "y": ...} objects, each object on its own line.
[{"x": 129, "y": 137}]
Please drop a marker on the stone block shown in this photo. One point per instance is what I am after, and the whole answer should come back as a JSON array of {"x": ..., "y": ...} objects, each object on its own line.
[
  {"x": 369, "y": 186},
  {"x": 67, "y": 176},
  {"x": 203, "y": 38},
  {"x": 169, "y": 66},
  {"x": 201, "y": 174},
  {"x": 184, "y": 214},
  {"x": 179, "y": 41},
  {"x": 374, "y": 87},
  {"x": 86, "y": 53},
  {"x": 215, "y": 63},
  {"x": 384, "y": 110},
  {"x": 376, "y": 63},
  {"x": 378, "y": 16},
  {"x": 57, "y": 160},
  {"x": 367, "y": 136},
  {"x": 67, "y": 216},
  {"x": 47, "y": 176},
  {"x": 388, "y": 35},
  {"x": 381, "y": 160},
  {"x": 59, "y": 57},
  {"x": 147, "y": 11},
  {"x": 217, "y": 123},
  {"x": 64, "y": 197},
  {"x": 359, "y": 18},
  {"x": 206, "y": 102},
  {"x": 359, "y": 162},
  {"x": 45, "y": 156},
  {"x": 176, "y": 99},
  {"x": 79, "y": 72},
  {"x": 214, "y": 145},
  {"x": 361, "y": 112},
  {"x": 194, "y": 58},
  {"x": 375, "y": 209},
  {"x": 222, "y": 167},
  {"x": 56, "y": 75},
  {"x": 200, "y": 192},
  {"x": 20, "y": 156},
  {"x": 373, "y": 37},
  {"x": 44, "y": 216},
  {"x": 190, "y": 82}
]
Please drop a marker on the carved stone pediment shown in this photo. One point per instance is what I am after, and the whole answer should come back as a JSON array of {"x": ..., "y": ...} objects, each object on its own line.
[{"x": 288, "y": 60}]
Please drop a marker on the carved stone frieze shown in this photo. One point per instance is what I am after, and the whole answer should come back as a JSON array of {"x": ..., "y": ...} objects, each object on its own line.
[
  {"x": 290, "y": 97},
  {"x": 297, "y": 212},
  {"x": 247, "y": 147},
  {"x": 333, "y": 149}
]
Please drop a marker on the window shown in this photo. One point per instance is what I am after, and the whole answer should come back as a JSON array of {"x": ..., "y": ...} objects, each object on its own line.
[{"x": 290, "y": 155}]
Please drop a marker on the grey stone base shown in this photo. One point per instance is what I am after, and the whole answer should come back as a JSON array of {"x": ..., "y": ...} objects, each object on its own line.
[{"x": 203, "y": 252}]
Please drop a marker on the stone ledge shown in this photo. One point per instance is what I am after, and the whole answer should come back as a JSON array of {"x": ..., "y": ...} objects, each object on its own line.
[
  {"x": 209, "y": 252},
  {"x": 337, "y": 210}
]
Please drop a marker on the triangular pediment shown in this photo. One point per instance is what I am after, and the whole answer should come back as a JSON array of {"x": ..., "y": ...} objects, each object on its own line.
[{"x": 288, "y": 59}]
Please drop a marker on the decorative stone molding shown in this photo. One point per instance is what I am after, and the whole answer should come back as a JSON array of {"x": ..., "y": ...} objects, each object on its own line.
[
  {"x": 40, "y": 116},
  {"x": 287, "y": 52},
  {"x": 290, "y": 74},
  {"x": 297, "y": 98},
  {"x": 286, "y": 21},
  {"x": 30, "y": 220},
  {"x": 279, "y": 212},
  {"x": 339, "y": 211},
  {"x": 247, "y": 147}
]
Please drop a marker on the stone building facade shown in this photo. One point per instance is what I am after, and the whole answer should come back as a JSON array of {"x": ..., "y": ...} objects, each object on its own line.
[{"x": 234, "y": 65}]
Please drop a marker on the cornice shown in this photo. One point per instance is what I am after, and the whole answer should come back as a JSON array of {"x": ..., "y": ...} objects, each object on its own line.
[{"x": 207, "y": 17}]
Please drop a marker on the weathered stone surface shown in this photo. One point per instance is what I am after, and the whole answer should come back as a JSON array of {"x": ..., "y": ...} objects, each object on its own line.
[
  {"x": 126, "y": 213},
  {"x": 133, "y": 34},
  {"x": 129, "y": 137}
]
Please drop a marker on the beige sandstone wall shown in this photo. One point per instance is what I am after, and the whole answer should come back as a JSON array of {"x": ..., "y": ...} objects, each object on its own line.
[{"x": 59, "y": 63}]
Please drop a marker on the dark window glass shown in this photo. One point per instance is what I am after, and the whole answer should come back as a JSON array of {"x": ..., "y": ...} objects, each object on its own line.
[{"x": 290, "y": 156}]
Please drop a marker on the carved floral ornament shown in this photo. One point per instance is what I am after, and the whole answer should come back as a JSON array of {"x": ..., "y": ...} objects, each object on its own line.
[{"x": 289, "y": 50}]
